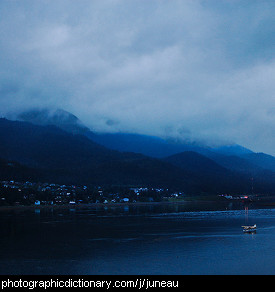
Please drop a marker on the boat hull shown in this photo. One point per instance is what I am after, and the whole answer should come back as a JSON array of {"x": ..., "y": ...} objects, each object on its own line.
[{"x": 249, "y": 230}]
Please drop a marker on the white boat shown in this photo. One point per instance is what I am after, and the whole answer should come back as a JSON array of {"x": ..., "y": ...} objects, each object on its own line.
[{"x": 249, "y": 229}]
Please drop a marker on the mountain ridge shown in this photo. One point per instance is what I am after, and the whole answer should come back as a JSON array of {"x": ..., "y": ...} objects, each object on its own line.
[
  {"x": 149, "y": 145},
  {"x": 146, "y": 144}
]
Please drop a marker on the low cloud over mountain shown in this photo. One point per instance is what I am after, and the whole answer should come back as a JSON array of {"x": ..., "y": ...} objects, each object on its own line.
[{"x": 194, "y": 70}]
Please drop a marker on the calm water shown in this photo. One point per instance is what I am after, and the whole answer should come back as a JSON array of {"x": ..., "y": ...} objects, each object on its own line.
[{"x": 155, "y": 239}]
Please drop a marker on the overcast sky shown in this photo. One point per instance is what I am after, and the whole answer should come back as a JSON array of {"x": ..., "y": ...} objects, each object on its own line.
[{"x": 195, "y": 69}]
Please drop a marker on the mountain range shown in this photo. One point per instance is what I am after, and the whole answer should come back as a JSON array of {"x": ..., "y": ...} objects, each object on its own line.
[{"x": 54, "y": 145}]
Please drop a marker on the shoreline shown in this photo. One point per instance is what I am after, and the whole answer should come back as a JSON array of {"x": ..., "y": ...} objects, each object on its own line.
[
  {"x": 93, "y": 205},
  {"x": 77, "y": 206}
]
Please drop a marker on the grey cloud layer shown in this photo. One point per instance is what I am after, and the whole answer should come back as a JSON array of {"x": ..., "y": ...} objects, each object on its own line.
[{"x": 200, "y": 70}]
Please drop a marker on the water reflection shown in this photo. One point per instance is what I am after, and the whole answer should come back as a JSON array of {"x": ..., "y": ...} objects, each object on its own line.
[
  {"x": 246, "y": 213},
  {"x": 188, "y": 238},
  {"x": 37, "y": 211}
]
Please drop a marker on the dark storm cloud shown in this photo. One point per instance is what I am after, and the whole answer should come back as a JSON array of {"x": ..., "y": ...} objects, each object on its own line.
[{"x": 198, "y": 70}]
